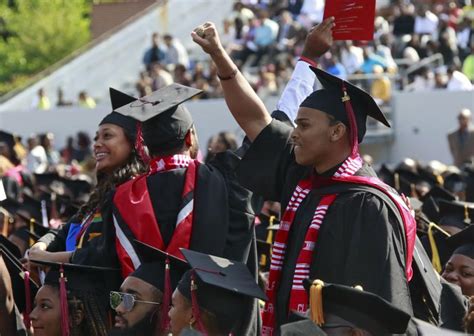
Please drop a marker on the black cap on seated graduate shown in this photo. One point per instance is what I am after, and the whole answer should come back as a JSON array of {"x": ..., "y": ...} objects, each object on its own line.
[
  {"x": 161, "y": 270},
  {"x": 438, "y": 193},
  {"x": 165, "y": 121},
  {"x": 330, "y": 100},
  {"x": 463, "y": 242},
  {"x": 152, "y": 269},
  {"x": 79, "y": 277},
  {"x": 456, "y": 213},
  {"x": 333, "y": 304},
  {"x": 119, "y": 99},
  {"x": 219, "y": 286}
]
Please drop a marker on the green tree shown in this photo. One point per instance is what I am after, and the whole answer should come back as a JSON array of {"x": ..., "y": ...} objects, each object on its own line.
[{"x": 43, "y": 32}]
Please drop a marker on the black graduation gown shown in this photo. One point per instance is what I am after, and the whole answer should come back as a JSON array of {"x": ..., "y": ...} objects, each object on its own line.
[
  {"x": 360, "y": 241},
  {"x": 223, "y": 214}
]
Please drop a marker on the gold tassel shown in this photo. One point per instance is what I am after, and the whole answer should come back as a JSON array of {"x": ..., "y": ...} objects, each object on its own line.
[
  {"x": 270, "y": 232},
  {"x": 434, "y": 249},
  {"x": 467, "y": 219},
  {"x": 316, "y": 302},
  {"x": 440, "y": 179}
]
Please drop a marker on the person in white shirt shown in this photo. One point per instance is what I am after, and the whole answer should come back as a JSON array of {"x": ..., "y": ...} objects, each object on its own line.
[
  {"x": 352, "y": 57},
  {"x": 176, "y": 53},
  {"x": 36, "y": 160},
  {"x": 311, "y": 12},
  {"x": 425, "y": 22},
  {"x": 458, "y": 81}
]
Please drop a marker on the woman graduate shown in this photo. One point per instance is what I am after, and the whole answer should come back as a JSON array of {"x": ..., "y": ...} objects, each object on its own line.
[{"x": 117, "y": 160}]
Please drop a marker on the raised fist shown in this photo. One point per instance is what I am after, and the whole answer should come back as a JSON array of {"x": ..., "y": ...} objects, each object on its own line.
[{"x": 207, "y": 37}]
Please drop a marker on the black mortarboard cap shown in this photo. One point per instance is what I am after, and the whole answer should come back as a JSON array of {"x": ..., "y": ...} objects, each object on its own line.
[
  {"x": 11, "y": 256},
  {"x": 10, "y": 246},
  {"x": 428, "y": 175},
  {"x": 165, "y": 121},
  {"x": 30, "y": 208},
  {"x": 119, "y": 99},
  {"x": 45, "y": 179},
  {"x": 223, "y": 287},
  {"x": 77, "y": 187},
  {"x": 463, "y": 242},
  {"x": 455, "y": 182},
  {"x": 152, "y": 269},
  {"x": 431, "y": 209},
  {"x": 22, "y": 233},
  {"x": 8, "y": 139},
  {"x": 426, "y": 281},
  {"x": 386, "y": 175},
  {"x": 10, "y": 205},
  {"x": 79, "y": 277},
  {"x": 365, "y": 310},
  {"x": 440, "y": 193},
  {"x": 329, "y": 100},
  {"x": 440, "y": 241},
  {"x": 34, "y": 229},
  {"x": 456, "y": 213}
]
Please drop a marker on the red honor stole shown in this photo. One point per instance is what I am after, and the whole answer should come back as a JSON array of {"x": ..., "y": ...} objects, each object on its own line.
[
  {"x": 133, "y": 202},
  {"x": 298, "y": 296}
]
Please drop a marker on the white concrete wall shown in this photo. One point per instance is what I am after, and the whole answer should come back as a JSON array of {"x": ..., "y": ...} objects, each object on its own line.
[
  {"x": 422, "y": 121},
  {"x": 118, "y": 59},
  {"x": 210, "y": 116}
]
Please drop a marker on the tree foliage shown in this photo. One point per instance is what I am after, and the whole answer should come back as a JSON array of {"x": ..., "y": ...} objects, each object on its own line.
[{"x": 37, "y": 33}]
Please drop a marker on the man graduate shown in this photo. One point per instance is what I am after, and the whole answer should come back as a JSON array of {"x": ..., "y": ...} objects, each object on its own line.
[{"x": 341, "y": 224}]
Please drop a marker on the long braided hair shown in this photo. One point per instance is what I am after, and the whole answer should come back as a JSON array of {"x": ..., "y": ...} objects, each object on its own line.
[
  {"x": 134, "y": 166},
  {"x": 94, "y": 321}
]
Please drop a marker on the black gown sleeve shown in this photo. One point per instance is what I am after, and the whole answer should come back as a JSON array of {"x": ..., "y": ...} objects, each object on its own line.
[
  {"x": 241, "y": 208},
  {"x": 56, "y": 242},
  {"x": 264, "y": 167}
]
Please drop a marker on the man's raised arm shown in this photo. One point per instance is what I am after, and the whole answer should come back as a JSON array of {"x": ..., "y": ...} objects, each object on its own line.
[{"x": 244, "y": 104}]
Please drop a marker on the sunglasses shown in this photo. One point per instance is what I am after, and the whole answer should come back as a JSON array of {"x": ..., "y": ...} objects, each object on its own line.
[{"x": 128, "y": 300}]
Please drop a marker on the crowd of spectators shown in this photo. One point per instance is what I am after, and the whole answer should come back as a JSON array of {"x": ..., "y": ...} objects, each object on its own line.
[
  {"x": 42, "y": 102},
  {"x": 265, "y": 38},
  {"x": 38, "y": 154}
]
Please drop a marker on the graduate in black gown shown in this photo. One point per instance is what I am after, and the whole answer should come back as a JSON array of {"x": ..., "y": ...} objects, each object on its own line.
[
  {"x": 179, "y": 202},
  {"x": 362, "y": 238}
]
